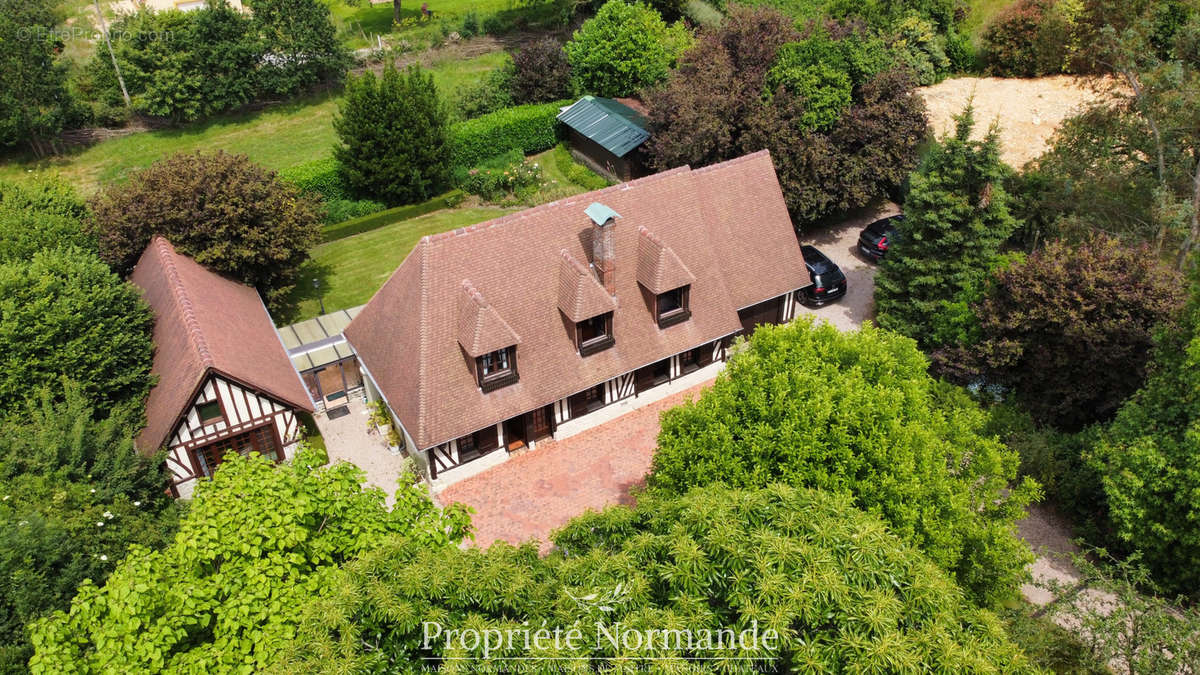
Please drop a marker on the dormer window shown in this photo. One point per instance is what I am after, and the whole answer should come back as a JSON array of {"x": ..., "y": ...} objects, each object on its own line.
[
  {"x": 594, "y": 334},
  {"x": 673, "y": 306},
  {"x": 497, "y": 369}
]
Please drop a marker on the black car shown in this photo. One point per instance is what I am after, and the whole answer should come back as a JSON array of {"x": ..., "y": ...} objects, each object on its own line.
[
  {"x": 828, "y": 282},
  {"x": 878, "y": 236}
]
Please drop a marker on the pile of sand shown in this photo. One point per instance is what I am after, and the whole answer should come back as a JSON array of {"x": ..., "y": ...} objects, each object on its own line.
[{"x": 1028, "y": 110}]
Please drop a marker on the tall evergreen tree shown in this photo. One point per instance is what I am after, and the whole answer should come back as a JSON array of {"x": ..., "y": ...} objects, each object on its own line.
[
  {"x": 957, "y": 220},
  {"x": 394, "y": 136}
]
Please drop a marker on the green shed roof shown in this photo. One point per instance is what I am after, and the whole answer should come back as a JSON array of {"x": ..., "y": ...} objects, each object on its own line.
[{"x": 615, "y": 126}]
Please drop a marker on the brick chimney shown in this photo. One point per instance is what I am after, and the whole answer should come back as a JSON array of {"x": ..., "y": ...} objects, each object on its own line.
[{"x": 604, "y": 256}]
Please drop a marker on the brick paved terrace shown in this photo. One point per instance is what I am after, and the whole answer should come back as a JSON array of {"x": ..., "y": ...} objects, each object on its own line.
[{"x": 534, "y": 493}]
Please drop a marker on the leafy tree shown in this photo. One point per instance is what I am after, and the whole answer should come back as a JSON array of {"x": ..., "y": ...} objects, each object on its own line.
[
  {"x": 33, "y": 96},
  {"x": 181, "y": 66},
  {"x": 831, "y": 154},
  {"x": 225, "y": 211},
  {"x": 63, "y": 312},
  {"x": 1149, "y": 462},
  {"x": 1070, "y": 329},
  {"x": 856, "y": 413},
  {"x": 705, "y": 109},
  {"x": 258, "y": 541},
  {"x": 1128, "y": 165},
  {"x": 300, "y": 44},
  {"x": 625, "y": 48},
  {"x": 1121, "y": 622},
  {"x": 76, "y": 494},
  {"x": 540, "y": 72},
  {"x": 39, "y": 215},
  {"x": 957, "y": 219},
  {"x": 841, "y": 592},
  {"x": 394, "y": 137}
]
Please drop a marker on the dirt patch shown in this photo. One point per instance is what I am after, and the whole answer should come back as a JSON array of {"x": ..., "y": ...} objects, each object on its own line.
[{"x": 1028, "y": 110}]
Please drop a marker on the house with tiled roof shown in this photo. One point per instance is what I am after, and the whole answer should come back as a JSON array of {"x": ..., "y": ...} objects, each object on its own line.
[
  {"x": 491, "y": 338},
  {"x": 224, "y": 380}
]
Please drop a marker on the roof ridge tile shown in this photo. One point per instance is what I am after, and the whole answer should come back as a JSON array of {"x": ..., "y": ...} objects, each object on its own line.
[{"x": 183, "y": 301}]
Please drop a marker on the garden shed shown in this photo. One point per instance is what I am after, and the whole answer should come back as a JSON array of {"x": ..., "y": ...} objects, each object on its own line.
[{"x": 607, "y": 135}]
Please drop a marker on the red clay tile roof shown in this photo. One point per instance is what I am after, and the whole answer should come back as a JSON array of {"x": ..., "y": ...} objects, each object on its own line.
[
  {"x": 580, "y": 295},
  {"x": 658, "y": 268},
  {"x": 481, "y": 329},
  {"x": 407, "y": 335},
  {"x": 204, "y": 321}
]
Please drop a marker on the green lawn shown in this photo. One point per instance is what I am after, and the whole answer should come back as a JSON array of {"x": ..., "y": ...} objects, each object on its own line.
[
  {"x": 352, "y": 269},
  {"x": 277, "y": 137},
  {"x": 358, "y": 22}
]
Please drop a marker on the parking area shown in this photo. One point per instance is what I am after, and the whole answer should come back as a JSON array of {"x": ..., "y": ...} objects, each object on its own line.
[{"x": 840, "y": 242}]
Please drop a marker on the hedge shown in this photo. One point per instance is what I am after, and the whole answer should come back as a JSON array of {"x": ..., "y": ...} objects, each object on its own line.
[
  {"x": 319, "y": 176},
  {"x": 376, "y": 220},
  {"x": 528, "y": 128}
]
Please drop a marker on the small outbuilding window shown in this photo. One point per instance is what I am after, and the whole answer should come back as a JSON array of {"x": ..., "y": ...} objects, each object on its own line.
[
  {"x": 209, "y": 412},
  {"x": 673, "y": 307}
]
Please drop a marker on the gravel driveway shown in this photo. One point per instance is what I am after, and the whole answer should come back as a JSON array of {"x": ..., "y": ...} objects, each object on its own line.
[{"x": 839, "y": 241}]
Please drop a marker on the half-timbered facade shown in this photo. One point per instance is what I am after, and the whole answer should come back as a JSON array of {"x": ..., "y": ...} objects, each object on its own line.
[
  {"x": 490, "y": 338},
  {"x": 225, "y": 383}
]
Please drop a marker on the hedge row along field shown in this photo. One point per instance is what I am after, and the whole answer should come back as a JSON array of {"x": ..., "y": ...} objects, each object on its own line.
[{"x": 528, "y": 128}]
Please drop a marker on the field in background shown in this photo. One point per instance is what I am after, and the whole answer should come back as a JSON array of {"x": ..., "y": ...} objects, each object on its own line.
[{"x": 277, "y": 137}]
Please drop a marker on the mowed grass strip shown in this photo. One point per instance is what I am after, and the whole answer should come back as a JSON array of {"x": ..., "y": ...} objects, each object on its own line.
[{"x": 350, "y": 270}]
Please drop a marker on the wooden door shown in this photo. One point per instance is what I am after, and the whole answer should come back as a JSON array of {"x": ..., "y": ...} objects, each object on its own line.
[
  {"x": 332, "y": 384},
  {"x": 537, "y": 424}
]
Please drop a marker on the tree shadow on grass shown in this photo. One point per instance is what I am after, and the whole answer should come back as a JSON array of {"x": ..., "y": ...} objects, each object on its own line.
[{"x": 304, "y": 300}]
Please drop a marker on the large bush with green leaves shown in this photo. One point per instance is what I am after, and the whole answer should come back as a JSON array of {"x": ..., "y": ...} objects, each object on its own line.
[
  {"x": 258, "y": 542},
  {"x": 625, "y": 48},
  {"x": 39, "y": 215},
  {"x": 76, "y": 494},
  {"x": 223, "y": 210},
  {"x": 857, "y": 414},
  {"x": 1149, "y": 462},
  {"x": 527, "y": 128},
  {"x": 64, "y": 312},
  {"x": 1061, "y": 331},
  {"x": 842, "y": 593}
]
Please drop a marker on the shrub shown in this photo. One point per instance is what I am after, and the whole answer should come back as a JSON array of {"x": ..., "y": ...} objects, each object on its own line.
[
  {"x": 576, "y": 172},
  {"x": 1062, "y": 331},
  {"x": 470, "y": 25},
  {"x": 225, "y": 211},
  {"x": 857, "y": 413},
  {"x": 488, "y": 95},
  {"x": 1148, "y": 459},
  {"x": 40, "y": 215},
  {"x": 625, "y": 48},
  {"x": 320, "y": 176},
  {"x": 507, "y": 176},
  {"x": 528, "y": 128},
  {"x": 340, "y": 210},
  {"x": 64, "y": 312},
  {"x": 540, "y": 72},
  {"x": 1030, "y": 38}
]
